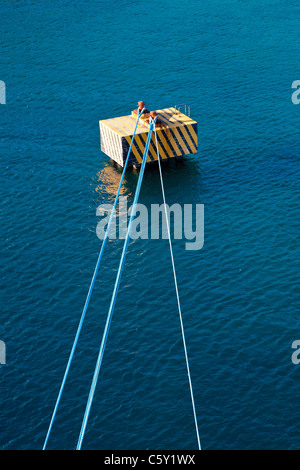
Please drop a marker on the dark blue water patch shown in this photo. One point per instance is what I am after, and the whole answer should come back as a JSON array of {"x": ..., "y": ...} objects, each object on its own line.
[{"x": 65, "y": 67}]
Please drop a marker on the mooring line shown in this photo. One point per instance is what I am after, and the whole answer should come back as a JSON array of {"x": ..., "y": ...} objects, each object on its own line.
[
  {"x": 90, "y": 289},
  {"x": 177, "y": 294},
  {"x": 114, "y": 296}
]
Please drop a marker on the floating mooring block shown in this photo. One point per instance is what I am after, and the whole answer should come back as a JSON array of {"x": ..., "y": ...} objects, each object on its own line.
[{"x": 176, "y": 135}]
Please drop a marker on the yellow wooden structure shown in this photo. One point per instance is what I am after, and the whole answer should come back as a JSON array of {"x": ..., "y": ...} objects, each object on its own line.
[{"x": 176, "y": 137}]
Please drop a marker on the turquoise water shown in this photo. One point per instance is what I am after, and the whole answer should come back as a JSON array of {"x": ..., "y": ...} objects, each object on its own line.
[{"x": 68, "y": 64}]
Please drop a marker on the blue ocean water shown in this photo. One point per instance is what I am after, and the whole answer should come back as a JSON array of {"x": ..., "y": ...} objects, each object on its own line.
[{"x": 68, "y": 64}]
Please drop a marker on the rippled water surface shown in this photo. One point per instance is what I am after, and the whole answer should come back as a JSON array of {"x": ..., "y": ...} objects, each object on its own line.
[{"x": 68, "y": 64}]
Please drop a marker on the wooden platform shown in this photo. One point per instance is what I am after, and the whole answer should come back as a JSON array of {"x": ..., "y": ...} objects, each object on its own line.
[{"x": 176, "y": 138}]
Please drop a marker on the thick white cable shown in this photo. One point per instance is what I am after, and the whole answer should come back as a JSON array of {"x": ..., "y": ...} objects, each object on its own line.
[{"x": 177, "y": 293}]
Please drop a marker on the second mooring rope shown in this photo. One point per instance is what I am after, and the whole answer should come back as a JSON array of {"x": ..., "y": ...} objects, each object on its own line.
[{"x": 114, "y": 296}]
